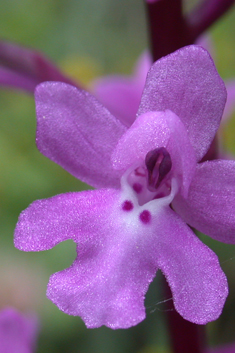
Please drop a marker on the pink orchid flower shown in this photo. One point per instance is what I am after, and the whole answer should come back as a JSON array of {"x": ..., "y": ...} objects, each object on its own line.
[
  {"x": 17, "y": 332},
  {"x": 150, "y": 188}
]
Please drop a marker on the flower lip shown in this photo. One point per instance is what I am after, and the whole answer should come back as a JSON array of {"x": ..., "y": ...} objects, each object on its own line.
[{"x": 158, "y": 163}]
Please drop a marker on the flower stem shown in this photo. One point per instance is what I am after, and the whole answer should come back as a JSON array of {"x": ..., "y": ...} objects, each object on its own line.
[
  {"x": 168, "y": 31},
  {"x": 185, "y": 336}
]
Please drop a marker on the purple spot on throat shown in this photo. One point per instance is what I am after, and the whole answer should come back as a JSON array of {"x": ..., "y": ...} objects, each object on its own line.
[
  {"x": 137, "y": 187},
  {"x": 145, "y": 216},
  {"x": 127, "y": 206}
]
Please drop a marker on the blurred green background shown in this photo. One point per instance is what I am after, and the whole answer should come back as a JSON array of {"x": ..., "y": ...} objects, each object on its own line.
[{"x": 86, "y": 38}]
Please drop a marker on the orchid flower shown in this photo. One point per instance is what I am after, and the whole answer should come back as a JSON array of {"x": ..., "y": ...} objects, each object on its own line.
[
  {"x": 17, "y": 332},
  {"x": 151, "y": 188}
]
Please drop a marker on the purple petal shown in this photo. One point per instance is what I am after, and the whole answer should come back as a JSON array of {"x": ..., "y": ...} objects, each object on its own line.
[
  {"x": 25, "y": 68},
  {"x": 48, "y": 222},
  {"x": 187, "y": 83},
  {"x": 106, "y": 288},
  {"x": 209, "y": 206},
  {"x": 198, "y": 284},
  {"x": 15, "y": 80},
  {"x": 154, "y": 130},
  {"x": 206, "y": 42},
  {"x": 17, "y": 332},
  {"x": 142, "y": 67},
  {"x": 122, "y": 94},
  {"x": 230, "y": 104},
  {"x": 77, "y": 132}
]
